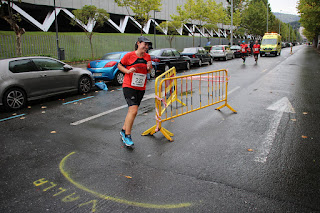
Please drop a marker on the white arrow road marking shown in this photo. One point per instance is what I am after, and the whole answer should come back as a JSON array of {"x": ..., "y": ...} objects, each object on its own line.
[{"x": 281, "y": 106}]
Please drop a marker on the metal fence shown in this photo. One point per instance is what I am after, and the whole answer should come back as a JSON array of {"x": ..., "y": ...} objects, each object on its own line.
[
  {"x": 77, "y": 47},
  {"x": 176, "y": 96}
]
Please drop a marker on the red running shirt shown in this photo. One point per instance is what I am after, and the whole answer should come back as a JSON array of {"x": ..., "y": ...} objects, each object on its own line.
[
  {"x": 256, "y": 48},
  {"x": 244, "y": 48},
  {"x": 138, "y": 79}
]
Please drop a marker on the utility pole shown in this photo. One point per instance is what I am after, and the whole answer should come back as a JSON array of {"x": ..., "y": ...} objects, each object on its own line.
[
  {"x": 231, "y": 39},
  {"x": 267, "y": 16},
  {"x": 154, "y": 29},
  {"x": 56, "y": 24},
  {"x": 280, "y": 22}
]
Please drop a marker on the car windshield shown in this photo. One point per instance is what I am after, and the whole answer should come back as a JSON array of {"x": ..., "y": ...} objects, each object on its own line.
[
  {"x": 111, "y": 56},
  {"x": 189, "y": 50},
  {"x": 216, "y": 48},
  {"x": 235, "y": 47},
  {"x": 155, "y": 52},
  {"x": 269, "y": 41}
]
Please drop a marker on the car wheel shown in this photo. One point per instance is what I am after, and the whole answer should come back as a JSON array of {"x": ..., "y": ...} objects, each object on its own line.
[
  {"x": 166, "y": 67},
  {"x": 153, "y": 72},
  {"x": 14, "y": 98},
  {"x": 211, "y": 61},
  {"x": 85, "y": 84},
  {"x": 200, "y": 63},
  {"x": 188, "y": 66},
  {"x": 118, "y": 78}
]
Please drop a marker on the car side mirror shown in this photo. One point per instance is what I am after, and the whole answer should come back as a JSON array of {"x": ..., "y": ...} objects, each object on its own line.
[{"x": 67, "y": 67}]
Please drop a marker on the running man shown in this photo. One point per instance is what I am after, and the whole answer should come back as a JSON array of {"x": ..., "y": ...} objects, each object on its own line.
[
  {"x": 244, "y": 51},
  {"x": 135, "y": 65},
  {"x": 256, "y": 51}
]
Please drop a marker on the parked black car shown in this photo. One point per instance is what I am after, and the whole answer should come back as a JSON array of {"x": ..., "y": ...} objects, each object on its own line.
[
  {"x": 236, "y": 49},
  {"x": 168, "y": 57},
  {"x": 198, "y": 55}
]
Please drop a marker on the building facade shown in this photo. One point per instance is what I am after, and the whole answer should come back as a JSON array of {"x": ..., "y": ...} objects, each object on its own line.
[{"x": 40, "y": 15}]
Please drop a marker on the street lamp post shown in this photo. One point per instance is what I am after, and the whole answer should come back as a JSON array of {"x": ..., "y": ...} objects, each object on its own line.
[
  {"x": 56, "y": 24},
  {"x": 267, "y": 17},
  {"x": 280, "y": 22},
  {"x": 231, "y": 39},
  {"x": 154, "y": 28}
]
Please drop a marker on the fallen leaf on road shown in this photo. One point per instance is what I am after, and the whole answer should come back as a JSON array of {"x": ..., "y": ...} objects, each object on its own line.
[
  {"x": 53, "y": 132},
  {"x": 29, "y": 107},
  {"x": 43, "y": 107},
  {"x": 305, "y": 113},
  {"x": 14, "y": 114},
  {"x": 43, "y": 112},
  {"x": 75, "y": 103},
  {"x": 172, "y": 120},
  {"x": 129, "y": 177},
  {"x": 22, "y": 118},
  {"x": 294, "y": 119},
  {"x": 303, "y": 136},
  {"x": 250, "y": 150}
]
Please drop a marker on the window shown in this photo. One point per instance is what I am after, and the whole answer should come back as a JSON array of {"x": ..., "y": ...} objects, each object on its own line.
[
  {"x": 176, "y": 53},
  {"x": 48, "y": 64},
  {"x": 167, "y": 53},
  {"x": 24, "y": 65},
  {"x": 111, "y": 56},
  {"x": 189, "y": 50}
]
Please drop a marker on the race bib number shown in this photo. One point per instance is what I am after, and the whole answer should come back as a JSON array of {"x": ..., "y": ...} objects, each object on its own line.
[
  {"x": 256, "y": 49},
  {"x": 243, "y": 49},
  {"x": 138, "y": 79}
]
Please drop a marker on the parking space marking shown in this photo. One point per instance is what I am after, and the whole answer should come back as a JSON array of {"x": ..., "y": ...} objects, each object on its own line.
[
  {"x": 70, "y": 102},
  {"x": 16, "y": 116},
  {"x": 114, "y": 199},
  {"x": 146, "y": 97}
]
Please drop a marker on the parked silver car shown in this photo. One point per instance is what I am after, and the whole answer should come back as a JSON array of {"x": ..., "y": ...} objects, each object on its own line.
[
  {"x": 221, "y": 52},
  {"x": 29, "y": 78}
]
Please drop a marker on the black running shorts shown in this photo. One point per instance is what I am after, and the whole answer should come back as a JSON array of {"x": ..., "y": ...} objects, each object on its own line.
[
  {"x": 244, "y": 55},
  {"x": 132, "y": 96}
]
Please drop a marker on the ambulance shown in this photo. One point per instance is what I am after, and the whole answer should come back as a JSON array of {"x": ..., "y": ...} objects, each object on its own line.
[{"x": 271, "y": 44}]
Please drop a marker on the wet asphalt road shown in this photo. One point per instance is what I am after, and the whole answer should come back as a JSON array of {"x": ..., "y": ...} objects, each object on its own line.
[{"x": 265, "y": 158}]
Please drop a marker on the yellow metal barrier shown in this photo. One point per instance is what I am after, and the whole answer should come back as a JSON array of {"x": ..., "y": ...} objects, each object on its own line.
[{"x": 189, "y": 94}]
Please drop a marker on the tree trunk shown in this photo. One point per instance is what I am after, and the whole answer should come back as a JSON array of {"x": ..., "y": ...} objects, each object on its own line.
[
  {"x": 18, "y": 31},
  {"x": 18, "y": 44},
  {"x": 90, "y": 40}
]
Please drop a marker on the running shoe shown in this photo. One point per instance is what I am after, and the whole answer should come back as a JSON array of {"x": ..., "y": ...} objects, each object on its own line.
[
  {"x": 128, "y": 141},
  {"x": 123, "y": 134}
]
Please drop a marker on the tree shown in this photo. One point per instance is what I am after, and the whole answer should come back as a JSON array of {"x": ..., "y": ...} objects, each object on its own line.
[
  {"x": 193, "y": 11},
  {"x": 90, "y": 13},
  {"x": 141, "y": 9},
  {"x": 171, "y": 27},
  {"x": 6, "y": 13},
  {"x": 309, "y": 11},
  {"x": 254, "y": 18},
  {"x": 215, "y": 14}
]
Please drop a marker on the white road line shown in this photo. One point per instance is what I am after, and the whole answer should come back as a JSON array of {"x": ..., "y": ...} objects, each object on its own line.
[
  {"x": 147, "y": 97},
  {"x": 234, "y": 89}
]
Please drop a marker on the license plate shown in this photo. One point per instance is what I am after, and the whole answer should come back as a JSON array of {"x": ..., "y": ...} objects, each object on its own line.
[
  {"x": 267, "y": 53},
  {"x": 97, "y": 74}
]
